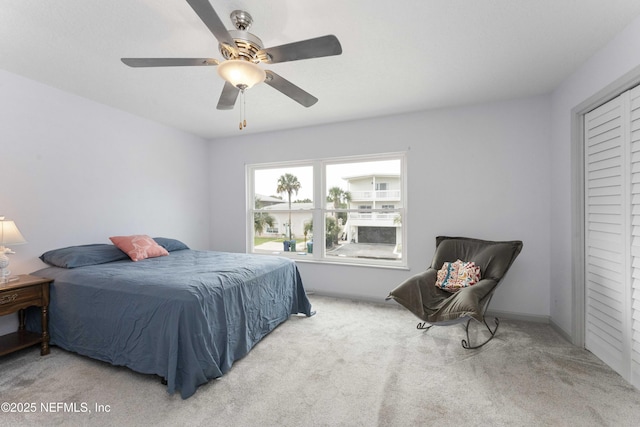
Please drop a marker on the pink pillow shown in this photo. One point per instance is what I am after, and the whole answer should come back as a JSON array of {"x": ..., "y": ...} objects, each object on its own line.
[{"x": 139, "y": 246}]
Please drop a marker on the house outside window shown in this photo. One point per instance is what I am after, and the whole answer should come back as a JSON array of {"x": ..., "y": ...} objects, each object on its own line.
[{"x": 342, "y": 210}]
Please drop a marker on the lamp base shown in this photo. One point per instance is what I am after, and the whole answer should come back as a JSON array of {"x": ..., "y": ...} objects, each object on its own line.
[
  {"x": 5, "y": 273},
  {"x": 4, "y": 263}
]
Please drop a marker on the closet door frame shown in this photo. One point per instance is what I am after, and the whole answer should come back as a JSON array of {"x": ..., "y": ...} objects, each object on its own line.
[{"x": 578, "y": 263}]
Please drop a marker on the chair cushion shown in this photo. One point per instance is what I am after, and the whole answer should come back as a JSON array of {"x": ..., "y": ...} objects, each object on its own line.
[
  {"x": 454, "y": 276},
  {"x": 434, "y": 305},
  {"x": 430, "y": 303}
]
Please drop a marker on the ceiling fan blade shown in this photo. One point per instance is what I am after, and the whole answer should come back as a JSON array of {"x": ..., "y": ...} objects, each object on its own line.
[
  {"x": 292, "y": 91},
  {"x": 305, "y": 49},
  {"x": 228, "y": 97},
  {"x": 211, "y": 19},
  {"x": 168, "y": 62}
]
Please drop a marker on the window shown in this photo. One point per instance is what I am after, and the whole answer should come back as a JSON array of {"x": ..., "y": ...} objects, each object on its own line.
[{"x": 346, "y": 210}]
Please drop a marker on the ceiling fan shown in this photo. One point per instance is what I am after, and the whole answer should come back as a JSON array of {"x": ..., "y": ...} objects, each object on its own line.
[{"x": 242, "y": 52}]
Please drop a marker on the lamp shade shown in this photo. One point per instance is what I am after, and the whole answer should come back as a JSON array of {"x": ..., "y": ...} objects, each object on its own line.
[
  {"x": 9, "y": 233},
  {"x": 240, "y": 73}
]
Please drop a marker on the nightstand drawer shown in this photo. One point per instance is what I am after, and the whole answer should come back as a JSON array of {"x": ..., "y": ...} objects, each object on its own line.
[{"x": 20, "y": 297}]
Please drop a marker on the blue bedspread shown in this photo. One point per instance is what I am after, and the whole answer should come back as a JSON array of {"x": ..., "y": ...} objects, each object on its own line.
[{"x": 186, "y": 317}]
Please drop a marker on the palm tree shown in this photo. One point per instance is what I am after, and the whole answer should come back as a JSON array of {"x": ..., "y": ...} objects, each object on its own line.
[
  {"x": 289, "y": 184},
  {"x": 340, "y": 198}
]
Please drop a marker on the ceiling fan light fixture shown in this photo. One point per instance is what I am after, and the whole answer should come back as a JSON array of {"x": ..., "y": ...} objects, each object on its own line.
[{"x": 240, "y": 73}]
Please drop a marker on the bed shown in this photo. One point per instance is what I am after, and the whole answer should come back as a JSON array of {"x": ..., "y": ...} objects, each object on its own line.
[{"x": 185, "y": 317}]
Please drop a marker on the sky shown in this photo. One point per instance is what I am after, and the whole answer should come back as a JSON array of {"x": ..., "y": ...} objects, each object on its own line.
[{"x": 266, "y": 180}]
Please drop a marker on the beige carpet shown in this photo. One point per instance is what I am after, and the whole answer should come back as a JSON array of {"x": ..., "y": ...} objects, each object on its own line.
[{"x": 353, "y": 364}]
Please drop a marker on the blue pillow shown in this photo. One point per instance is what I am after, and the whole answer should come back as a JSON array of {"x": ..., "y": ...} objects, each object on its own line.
[
  {"x": 170, "y": 244},
  {"x": 79, "y": 256}
]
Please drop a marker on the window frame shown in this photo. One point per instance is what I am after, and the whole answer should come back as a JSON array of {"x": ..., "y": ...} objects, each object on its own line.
[{"x": 321, "y": 209}]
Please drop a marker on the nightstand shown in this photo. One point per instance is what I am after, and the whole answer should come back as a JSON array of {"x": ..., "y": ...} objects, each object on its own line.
[{"x": 16, "y": 296}]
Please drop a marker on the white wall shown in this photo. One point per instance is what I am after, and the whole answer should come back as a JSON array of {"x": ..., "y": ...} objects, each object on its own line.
[
  {"x": 76, "y": 172},
  {"x": 479, "y": 171},
  {"x": 616, "y": 59}
]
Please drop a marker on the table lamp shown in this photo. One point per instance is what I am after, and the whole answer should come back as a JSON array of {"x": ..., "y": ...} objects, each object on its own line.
[{"x": 9, "y": 235}]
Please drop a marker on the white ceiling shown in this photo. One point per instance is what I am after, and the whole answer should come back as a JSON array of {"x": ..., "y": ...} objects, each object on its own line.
[{"x": 398, "y": 56}]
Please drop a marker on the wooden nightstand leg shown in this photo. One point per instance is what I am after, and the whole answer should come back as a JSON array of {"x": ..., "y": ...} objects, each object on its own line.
[
  {"x": 44, "y": 349},
  {"x": 21, "y": 317}
]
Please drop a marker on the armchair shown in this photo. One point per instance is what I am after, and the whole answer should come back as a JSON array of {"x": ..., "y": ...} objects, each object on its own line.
[{"x": 437, "y": 307}]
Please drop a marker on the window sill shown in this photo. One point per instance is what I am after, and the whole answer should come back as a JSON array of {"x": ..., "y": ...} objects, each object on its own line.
[{"x": 308, "y": 259}]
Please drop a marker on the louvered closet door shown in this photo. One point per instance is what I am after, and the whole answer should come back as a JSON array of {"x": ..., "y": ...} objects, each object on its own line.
[
  {"x": 607, "y": 237},
  {"x": 634, "y": 132}
]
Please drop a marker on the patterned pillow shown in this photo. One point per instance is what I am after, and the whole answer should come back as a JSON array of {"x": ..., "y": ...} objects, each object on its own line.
[
  {"x": 139, "y": 246},
  {"x": 454, "y": 276}
]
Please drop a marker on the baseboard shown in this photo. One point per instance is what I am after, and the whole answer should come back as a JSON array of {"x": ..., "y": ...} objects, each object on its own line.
[
  {"x": 561, "y": 331},
  {"x": 518, "y": 316},
  {"x": 360, "y": 298},
  {"x": 491, "y": 313}
]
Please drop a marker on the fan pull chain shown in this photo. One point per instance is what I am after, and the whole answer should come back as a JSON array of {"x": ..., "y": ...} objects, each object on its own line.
[
  {"x": 243, "y": 120},
  {"x": 244, "y": 111},
  {"x": 241, "y": 99}
]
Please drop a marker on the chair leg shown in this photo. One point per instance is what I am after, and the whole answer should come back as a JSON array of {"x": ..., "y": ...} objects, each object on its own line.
[
  {"x": 465, "y": 343},
  {"x": 423, "y": 326}
]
